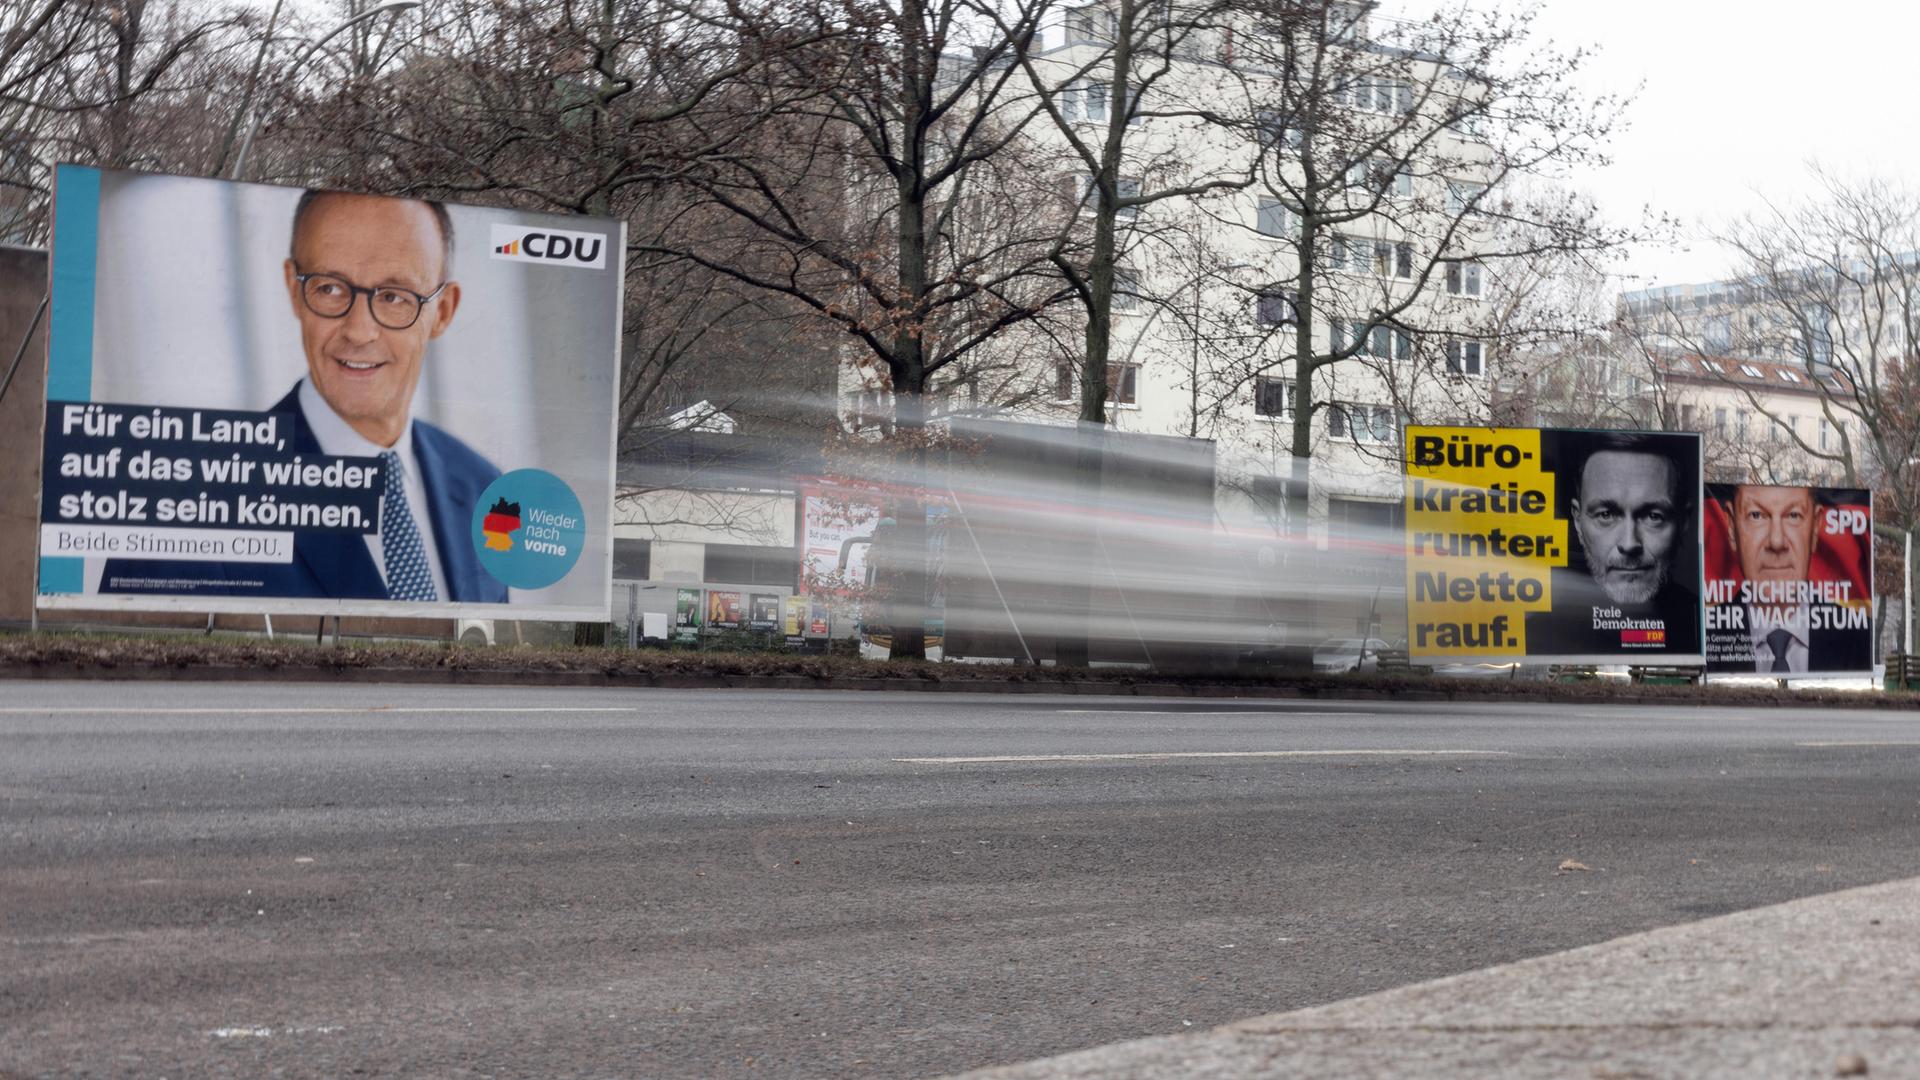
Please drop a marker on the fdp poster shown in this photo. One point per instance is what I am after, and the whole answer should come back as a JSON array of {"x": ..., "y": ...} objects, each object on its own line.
[
  {"x": 1553, "y": 545},
  {"x": 1789, "y": 584}
]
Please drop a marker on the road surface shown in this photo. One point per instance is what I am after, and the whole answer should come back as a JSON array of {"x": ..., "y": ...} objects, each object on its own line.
[{"x": 228, "y": 880}]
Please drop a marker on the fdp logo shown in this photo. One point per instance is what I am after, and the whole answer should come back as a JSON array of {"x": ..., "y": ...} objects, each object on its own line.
[{"x": 549, "y": 247}]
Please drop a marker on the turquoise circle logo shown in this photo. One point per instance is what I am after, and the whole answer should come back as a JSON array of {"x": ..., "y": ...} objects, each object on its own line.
[{"x": 528, "y": 529}]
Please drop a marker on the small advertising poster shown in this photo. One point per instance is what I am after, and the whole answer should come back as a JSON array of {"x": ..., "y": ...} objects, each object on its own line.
[
  {"x": 836, "y": 536},
  {"x": 819, "y": 620},
  {"x": 686, "y": 613},
  {"x": 1789, "y": 585},
  {"x": 793, "y": 623},
  {"x": 764, "y": 613},
  {"x": 725, "y": 610},
  {"x": 262, "y": 399},
  {"x": 1553, "y": 545}
]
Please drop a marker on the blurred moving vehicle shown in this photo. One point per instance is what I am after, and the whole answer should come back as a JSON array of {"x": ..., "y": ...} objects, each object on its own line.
[{"x": 1341, "y": 655}]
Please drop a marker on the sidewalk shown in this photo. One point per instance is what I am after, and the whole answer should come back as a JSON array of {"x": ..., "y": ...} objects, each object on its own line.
[{"x": 1826, "y": 986}]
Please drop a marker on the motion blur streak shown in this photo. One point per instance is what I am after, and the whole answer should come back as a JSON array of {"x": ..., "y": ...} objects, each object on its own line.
[{"x": 1156, "y": 551}]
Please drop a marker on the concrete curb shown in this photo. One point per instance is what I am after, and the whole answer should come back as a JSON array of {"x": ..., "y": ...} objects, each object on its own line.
[
  {"x": 87, "y": 669},
  {"x": 457, "y": 676},
  {"x": 1797, "y": 989}
]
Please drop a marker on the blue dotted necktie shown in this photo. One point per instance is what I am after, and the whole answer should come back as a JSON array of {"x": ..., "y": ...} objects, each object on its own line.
[
  {"x": 1778, "y": 640},
  {"x": 408, "y": 576}
]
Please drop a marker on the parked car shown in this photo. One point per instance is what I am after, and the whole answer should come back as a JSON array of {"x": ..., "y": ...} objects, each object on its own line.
[{"x": 1341, "y": 655}]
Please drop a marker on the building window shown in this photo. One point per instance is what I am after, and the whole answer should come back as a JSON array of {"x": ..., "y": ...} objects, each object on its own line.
[
  {"x": 1361, "y": 423},
  {"x": 1344, "y": 23},
  {"x": 1740, "y": 423},
  {"x": 1463, "y": 195},
  {"x": 1126, "y": 187},
  {"x": 1272, "y": 397},
  {"x": 1463, "y": 277},
  {"x": 1126, "y": 290},
  {"x": 1390, "y": 96},
  {"x": 1751, "y": 372},
  {"x": 1718, "y": 334},
  {"x": 1819, "y": 338},
  {"x": 1393, "y": 258},
  {"x": 1463, "y": 117},
  {"x": 1789, "y": 376},
  {"x": 1276, "y": 307},
  {"x": 1275, "y": 131},
  {"x": 1123, "y": 382},
  {"x": 1465, "y": 358},
  {"x": 1093, "y": 23},
  {"x": 1720, "y": 422},
  {"x": 632, "y": 559},
  {"x": 1359, "y": 333},
  {"x": 743, "y": 564},
  {"x": 1341, "y": 253},
  {"x": 1274, "y": 219},
  {"x": 1381, "y": 175},
  {"x": 1377, "y": 340},
  {"x": 1083, "y": 99}
]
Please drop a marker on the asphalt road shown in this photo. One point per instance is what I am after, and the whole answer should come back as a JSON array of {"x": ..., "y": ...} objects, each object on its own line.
[{"x": 240, "y": 880}]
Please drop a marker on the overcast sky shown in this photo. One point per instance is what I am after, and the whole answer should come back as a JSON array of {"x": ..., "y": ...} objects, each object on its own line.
[{"x": 1738, "y": 98}]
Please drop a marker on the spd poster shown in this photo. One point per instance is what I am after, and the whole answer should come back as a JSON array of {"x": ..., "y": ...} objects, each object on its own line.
[{"x": 1789, "y": 584}]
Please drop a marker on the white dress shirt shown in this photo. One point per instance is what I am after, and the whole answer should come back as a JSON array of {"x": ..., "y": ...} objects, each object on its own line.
[
  {"x": 1797, "y": 623},
  {"x": 338, "y": 439}
]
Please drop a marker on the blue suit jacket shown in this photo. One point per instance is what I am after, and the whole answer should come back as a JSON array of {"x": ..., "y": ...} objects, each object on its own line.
[{"x": 337, "y": 565}]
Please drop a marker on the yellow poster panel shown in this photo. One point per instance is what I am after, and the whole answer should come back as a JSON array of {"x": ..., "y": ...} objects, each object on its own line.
[{"x": 1482, "y": 540}]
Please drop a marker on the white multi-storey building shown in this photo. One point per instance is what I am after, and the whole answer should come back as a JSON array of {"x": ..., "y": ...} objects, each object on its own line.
[{"x": 1207, "y": 296}]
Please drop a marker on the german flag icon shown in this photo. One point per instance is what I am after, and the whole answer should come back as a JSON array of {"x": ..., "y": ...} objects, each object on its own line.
[{"x": 500, "y": 523}]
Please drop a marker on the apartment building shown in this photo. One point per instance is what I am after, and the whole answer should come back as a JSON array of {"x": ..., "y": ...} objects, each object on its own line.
[
  {"x": 1759, "y": 418},
  {"x": 1207, "y": 306}
]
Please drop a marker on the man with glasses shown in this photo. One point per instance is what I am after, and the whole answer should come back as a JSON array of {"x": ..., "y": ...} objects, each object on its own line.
[{"x": 368, "y": 280}]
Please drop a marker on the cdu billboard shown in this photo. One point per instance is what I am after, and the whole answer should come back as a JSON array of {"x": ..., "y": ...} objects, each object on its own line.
[{"x": 263, "y": 399}]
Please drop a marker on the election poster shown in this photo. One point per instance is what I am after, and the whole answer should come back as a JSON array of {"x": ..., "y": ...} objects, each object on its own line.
[
  {"x": 726, "y": 610},
  {"x": 763, "y": 612},
  {"x": 1789, "y": 580},
  {"x": 1553, "y": 545},
  {"x": 269, "y": 400},
  {"x": 686, "y": 614}
]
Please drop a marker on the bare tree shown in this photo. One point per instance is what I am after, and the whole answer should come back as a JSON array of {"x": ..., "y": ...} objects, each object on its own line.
[
  {"x": 1122, "y": 63},
  {"x": 1392, "y": 159},
  {"x": 123, "y": 84},
  {"x": 1828, "y": 291},
  {"x": 899, "y": 210}
]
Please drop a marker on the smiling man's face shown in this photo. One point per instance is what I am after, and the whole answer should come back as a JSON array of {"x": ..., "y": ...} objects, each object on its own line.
[{"x": 366, "y": 371}]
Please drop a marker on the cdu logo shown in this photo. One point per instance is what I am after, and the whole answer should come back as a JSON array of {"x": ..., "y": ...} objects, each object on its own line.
[{"x": 549, "y": 247}]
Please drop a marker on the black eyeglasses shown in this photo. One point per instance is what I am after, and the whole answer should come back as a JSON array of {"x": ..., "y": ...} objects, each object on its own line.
[{"x": 331, "y": 297}]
